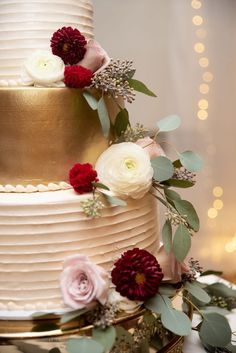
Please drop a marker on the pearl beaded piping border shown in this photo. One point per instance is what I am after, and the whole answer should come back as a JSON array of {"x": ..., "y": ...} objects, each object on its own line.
[{"x": 38, "y": 188}]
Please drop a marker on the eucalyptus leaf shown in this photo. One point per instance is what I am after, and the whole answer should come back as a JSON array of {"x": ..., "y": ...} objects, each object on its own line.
[
  {"x": 121, "y": 122},
  {"x": 170, "y": 123},
  {"x": 185, "y": 208},
  {"x": 115, "y": 201},
  {"x": 157, "y": 304},
  {"x": 215, "y": 309},
  {"x": 167, "y": 289},
  {"x": 221, "y": 290},
  {"x": 124, "y": 336},
  {"x": 163, "y": 168},
  {"x": 177, "y": 322},
  {"x": 191, "y": 161},
  {"x": 181, "y": 243},
  {"x": 211, "y": 272},
  {"x": 215, "y": 330},
  {"x": 84, "y": 345},
  {"x": 71, "y": 315},
  {"x": 140, "y": 87},
  {"x": 167, "y": 236},
  {"x": 182, "y": 184},
  {"x": 105, "y": 337},
  {"x": 231, "y": 348},
  {"x": 172, "y": 195},
  {"x": 91, "y": 100},
  {"x": 199, "y": 293},
  {"x": 131, "y": 73},
  {"x": 104, "y": 117},
  {"x": 100, "y": 186}
]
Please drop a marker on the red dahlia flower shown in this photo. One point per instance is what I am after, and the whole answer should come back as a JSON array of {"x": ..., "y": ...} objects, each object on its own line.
[
  {"x": 137, "y": 275},
  {"x": 82, "y": 177},
  {"x": 77, "y": 76},
  {"x": 69, "y": 44}
]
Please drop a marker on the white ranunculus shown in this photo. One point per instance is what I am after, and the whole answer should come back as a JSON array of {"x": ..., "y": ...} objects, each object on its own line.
[
  {"x": 43, "y": 68},
  {"x": 124, "y": 304},
  {"x": 126, "y": 169}
]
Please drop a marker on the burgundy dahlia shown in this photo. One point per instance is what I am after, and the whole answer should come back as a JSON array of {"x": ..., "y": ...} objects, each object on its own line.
[
  {"x": 69, "y": 44},
  {"x": 77, "y": 76},
  {"x": 82, "y": 177},
  {"x": 137, "y": 275}
]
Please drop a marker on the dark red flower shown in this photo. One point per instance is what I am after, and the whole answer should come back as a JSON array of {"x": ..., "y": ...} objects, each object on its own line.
[
  {"x": 69, "y": 44},
  {"x": 77, "y": 76},
  {"x": 137, "y": 275},
  {"x": 82, "y": 176}
]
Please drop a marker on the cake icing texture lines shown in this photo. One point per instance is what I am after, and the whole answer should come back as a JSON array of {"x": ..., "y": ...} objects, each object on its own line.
[{"x": 89, "y": 244}]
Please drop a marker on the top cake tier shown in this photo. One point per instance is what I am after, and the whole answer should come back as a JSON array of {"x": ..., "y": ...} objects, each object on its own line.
[{"x": 27, "y": 25}]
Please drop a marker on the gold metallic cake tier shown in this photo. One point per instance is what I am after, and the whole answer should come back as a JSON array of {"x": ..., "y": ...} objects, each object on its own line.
[{"x": 43, "y": 132}]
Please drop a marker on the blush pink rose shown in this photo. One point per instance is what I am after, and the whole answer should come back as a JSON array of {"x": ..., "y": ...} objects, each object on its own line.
[
  {"x": 151, "y": 146},
  {"x": 171, "y": 268},
  {"x": 82, "y": 282},
  {"x": 96, "y": 58}
]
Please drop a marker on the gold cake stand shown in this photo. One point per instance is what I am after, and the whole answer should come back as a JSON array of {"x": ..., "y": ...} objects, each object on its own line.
[{"x": 46, "y": 333}]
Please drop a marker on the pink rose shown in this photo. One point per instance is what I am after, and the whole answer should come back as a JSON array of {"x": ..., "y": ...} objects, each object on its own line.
[
  {"x": 96, "y": 58},
  {"x": 151, "y": 146},
  {"x": 82, "y": 282},
  {"x": 171, "y": 268}
]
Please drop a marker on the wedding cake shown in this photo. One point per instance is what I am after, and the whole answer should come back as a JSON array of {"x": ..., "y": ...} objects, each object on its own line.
[{"x": 44, "y": 131}]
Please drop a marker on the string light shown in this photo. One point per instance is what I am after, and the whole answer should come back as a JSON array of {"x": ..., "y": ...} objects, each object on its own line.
[
  {"x": 204, "y": 88},
  {"x": 218, "y": 204},
  {"x": 218, "y": 191},
  {"x": 203, "y": 104},
  {"x": 202, "y": 114},
  {"x": 197, "y": 20},
  {"x": 201, "y": 33},
  {"x": 199, "y": 47},
  {"x": 230, "y": 246},
  {"x": 204, "y": 62},
  {"x": 196, "y": 4},
  {"x": 207, "y": 76},
  {"x": 212, "y": 213}
]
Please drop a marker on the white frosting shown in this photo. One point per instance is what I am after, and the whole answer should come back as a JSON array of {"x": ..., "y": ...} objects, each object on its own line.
[
  {"x": 31, "y": 188},
  {"x": 39, "y": 230},
  {"x": 27, "y": 25}
]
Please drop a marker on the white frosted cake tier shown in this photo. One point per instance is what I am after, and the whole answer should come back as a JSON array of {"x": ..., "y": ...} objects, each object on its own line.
[
  {"x": 38, "y": 231},
  {"x": 27, "y": 25}
]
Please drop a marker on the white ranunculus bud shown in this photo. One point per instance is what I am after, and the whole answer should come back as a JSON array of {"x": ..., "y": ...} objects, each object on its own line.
[
  {"x": 126, "y": 169},
  {"x": 43, "y": 68}
]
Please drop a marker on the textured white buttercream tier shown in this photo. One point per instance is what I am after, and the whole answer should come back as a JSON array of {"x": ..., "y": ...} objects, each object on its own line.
[
  {"x": 27, "y": 25},
  {"x": 38, "y": 231}
]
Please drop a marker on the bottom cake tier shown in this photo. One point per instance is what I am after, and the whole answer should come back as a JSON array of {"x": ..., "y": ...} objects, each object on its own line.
[{"x": 39, "y": 230}]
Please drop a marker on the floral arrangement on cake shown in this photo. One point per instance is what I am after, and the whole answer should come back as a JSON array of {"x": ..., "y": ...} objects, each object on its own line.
[{"x": 133, "y": 165}]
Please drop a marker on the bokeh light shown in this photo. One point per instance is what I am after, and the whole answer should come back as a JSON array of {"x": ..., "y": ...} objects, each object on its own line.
[
  {"x": 218, "y": 191},
  {"x": 202, "y": 114},
  {"x": 207, "y": 76},
  {"x": 204, "y": 88},
  {"x": 218, "y": 204},
  {"x": 204, "y": 62},
  {"x": 199, "y": 47},
  {"x": 212, "y": 213},
  {"x": 196, "y": 4},
  {"x": 197, "y": 20}
]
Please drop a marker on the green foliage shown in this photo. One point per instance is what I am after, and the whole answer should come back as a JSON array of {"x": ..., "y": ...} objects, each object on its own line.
[
  {"x": 54, "y": 350},
  {"x": 144, "y": 346},
  {"x": 220, "y": 290},
  {"x": 191, "y": 161},
  {"x": 84, "y": 345},
  {"x": 185, "y": 208},
  {"x": 172, "y": 195},
  {"x": 163, "y": 168},
  {"x": 182, "y": 184},
  {"x": 105, "y": 337},
  {"x": 123, "y": 337},
  {"x": 167, "y": 289},
  {"x": 181, "y": 243},
  {"x": 121, "y": 122},
  {"x": 199, "y": 293},
  {"x": 170, "y": 123},
  {"x": 71, "y": 315},
  {"x": 103, "y": 116},
  {"x": 173, "y": 320},
  {"x": 167, "y": 236},
  {"x": 91, "y": 100},
  {"x": 211, "y": 272},
  {"x": 100, "y": 186},
  {"x": 114, "y": 200},
  {"x": 215, "y": 330},
  {"x": 140, "y": 87}
]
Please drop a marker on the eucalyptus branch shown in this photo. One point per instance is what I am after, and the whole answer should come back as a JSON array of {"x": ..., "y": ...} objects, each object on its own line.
[{"x": 194, "y": 306}]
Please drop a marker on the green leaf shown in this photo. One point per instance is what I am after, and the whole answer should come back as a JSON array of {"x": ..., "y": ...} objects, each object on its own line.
[
  {"x": 84, "y": 345},
  {"x": 191, "y": 161},
  {"x": 221, "y": 290},
  {"x": 124, "y": 336},
  {"x": 104, "y": 117},
  {"x": 121, "y": 122},
  {"x": 105, "y": 337},
  {"x": 167, "y": 236},
  {"x": 115, "y": 201},
  {"x": 100, "y": 186},
  {"x": 167, "y": 289},
  {"x": 177, "y": 164},
  {"x": 91, "y": 100},
  {"x": 163, "y": 168},
  {"x": 215, "y": 330},
  {"x": 181, "y": 243},
  {"x": 170, "y": 123},
  {"x": 231, "y": 348},
  {"x": 71, "y": 315},
  {"x": 140, "y": 87},
  {"x": 131, "y": 73},
  {"x": 211, "y": 272},
  {"x": 182, "y": 184},
  {"x": 157, "y": 304},
  {"x": 172, "y": 195},
  {"x": 199, "y": 293},
  {"x": 185, "y": 208},
  {"x": 54, "y": 350},
  {"x": 215, "y": 309}
]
